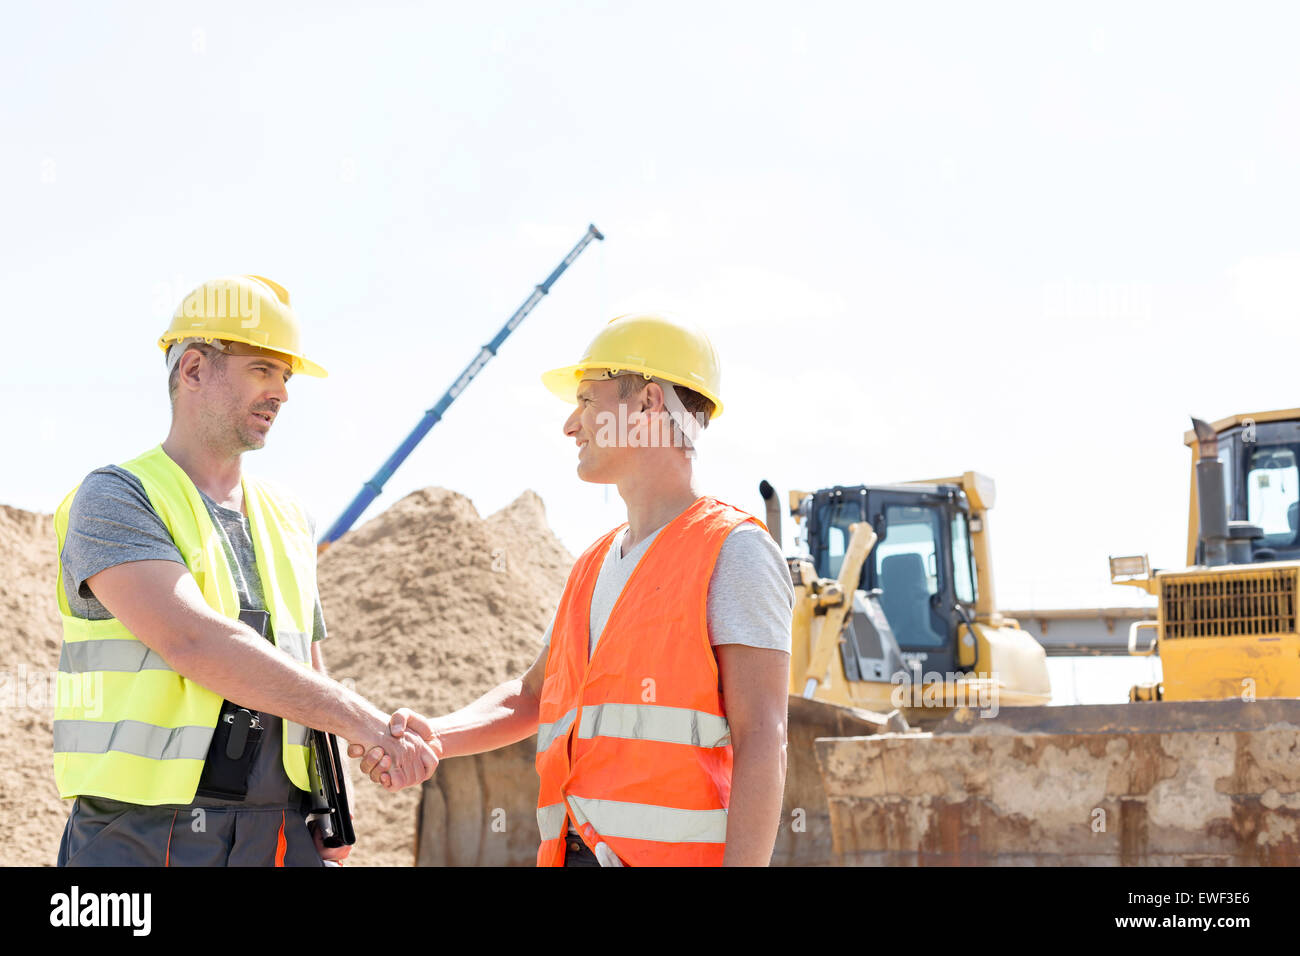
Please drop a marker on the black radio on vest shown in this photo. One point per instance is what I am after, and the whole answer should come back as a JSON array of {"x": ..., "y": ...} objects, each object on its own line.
[{"x": 237, "y": 737}]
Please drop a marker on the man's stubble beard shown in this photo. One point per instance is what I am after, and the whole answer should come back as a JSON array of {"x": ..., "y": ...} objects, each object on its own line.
[
  {"x": 248, "y": 439},
  {"x": 227, "y": 432}
]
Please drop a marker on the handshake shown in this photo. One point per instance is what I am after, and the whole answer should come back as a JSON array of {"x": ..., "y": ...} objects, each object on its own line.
[{"x": 406, "y": 757}]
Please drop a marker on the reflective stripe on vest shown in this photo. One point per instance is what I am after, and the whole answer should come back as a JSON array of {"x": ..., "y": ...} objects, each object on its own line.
[
  {"x": 550, "y": 821},
  {"x": 636, "y": 821},
  {"x": 130, "y": 655},
  {"x": 556, "y": 730},
  {"x": 633, "y": 744},
  {"x": 645, "y": 821},
  {"x": 670, "y": 725},
  {"x": 132, "y": 737},
  {"x": 126, "y": 725}
]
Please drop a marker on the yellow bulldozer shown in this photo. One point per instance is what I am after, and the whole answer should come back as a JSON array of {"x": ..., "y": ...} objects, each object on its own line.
[
  {"x": 895, "y": 626},
  {"x": 1226, "y": 624},
  {"x": 894, "y": 601},
  {"x": 1197, "y": 769}
]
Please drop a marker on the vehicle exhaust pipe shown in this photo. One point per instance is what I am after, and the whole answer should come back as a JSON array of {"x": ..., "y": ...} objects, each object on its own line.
[
  {"x": 1210, "y": 495},
  {"x": 773, "y": 510}
]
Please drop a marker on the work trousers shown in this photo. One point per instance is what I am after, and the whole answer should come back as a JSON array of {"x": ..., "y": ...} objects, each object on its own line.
[
  {"x": 102, "y": 832},
  {"x": 577, "y": 853}
]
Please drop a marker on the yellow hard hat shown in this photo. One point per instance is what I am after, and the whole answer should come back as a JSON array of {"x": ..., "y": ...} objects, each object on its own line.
[
  {"x": 655, "y": 345},
  {"x": 249, "y": 309}
]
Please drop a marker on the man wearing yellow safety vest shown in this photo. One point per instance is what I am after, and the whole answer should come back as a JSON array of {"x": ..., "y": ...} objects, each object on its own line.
[
  {"x": 191, "y": 667},
  {"x": 659, "y": 698}
]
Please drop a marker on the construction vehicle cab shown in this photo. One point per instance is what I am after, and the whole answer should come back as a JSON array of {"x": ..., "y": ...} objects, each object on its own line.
[
  {"x": 894, "y": 593},
  {"x": 922, "y": 568},
  {"x": 1261, "y": 485},
  {"x": 1226, "y": 625}
]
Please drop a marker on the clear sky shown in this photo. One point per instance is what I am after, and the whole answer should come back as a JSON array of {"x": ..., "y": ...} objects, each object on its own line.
[{"x": 925, "y": 238}]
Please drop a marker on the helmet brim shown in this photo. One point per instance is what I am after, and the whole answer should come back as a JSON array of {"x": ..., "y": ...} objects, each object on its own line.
[
  {"x": 563, "y": 382},
  {"x": 300, "y": 364}
]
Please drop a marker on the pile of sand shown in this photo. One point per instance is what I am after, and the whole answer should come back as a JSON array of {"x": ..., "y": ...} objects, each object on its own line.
[
  {"x": 427, "y": 605},
  {"x": 30, "y": 635}
]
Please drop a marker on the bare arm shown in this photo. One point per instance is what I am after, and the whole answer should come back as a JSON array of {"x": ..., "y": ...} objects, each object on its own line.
[
  {"x": 503, "y": 716},
  {"x": 160, "y": 603},
  {"x": 754, "y": 685}
]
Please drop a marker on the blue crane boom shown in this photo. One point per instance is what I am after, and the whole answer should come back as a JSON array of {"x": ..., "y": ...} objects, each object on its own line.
[{"x": 371, "y": 489}]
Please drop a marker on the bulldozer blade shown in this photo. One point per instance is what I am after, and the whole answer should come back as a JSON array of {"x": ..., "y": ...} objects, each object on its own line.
[
  {"x": 1149, "y": 717},
  {"x": 480, "y": 810},
  {"x": 805, "y": 835},
  {"x": 1172, "y": 783}
]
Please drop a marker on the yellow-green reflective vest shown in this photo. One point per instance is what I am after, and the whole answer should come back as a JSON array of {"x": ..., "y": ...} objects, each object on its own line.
[{"x": 127, "y": 726}]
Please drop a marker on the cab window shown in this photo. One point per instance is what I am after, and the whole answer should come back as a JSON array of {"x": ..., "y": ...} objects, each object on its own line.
[
  {"x": 963, "y": 564},
  {"x": 1273, "y": 493},
  {"x": 907, "y": 572},
  {"x": 836, "y": 544}
]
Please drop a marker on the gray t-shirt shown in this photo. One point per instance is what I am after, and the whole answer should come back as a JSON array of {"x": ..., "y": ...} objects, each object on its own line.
[
  {"x": 751, "y": 597},
  {"x": 112, "y": 522}
]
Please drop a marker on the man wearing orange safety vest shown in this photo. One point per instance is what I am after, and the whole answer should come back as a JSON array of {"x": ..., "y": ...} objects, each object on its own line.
[{"x": 659, "y": 697}]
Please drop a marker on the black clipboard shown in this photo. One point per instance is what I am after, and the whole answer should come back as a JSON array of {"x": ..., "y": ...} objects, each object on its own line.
[{"x": 329, "y": 791}]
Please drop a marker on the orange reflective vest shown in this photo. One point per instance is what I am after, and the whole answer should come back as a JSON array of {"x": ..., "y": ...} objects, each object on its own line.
[{"x": 633, "y": 745}]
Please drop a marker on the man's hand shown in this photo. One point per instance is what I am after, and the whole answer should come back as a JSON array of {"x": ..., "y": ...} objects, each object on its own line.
[
  {"x": 405, "y": 724},
  {"x": 335, "y": 854},
  {"x": 401, "y": 757}
]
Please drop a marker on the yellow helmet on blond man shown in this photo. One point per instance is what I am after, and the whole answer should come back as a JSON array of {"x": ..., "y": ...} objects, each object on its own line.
[
  {"x": 658, "y": 346},
  {"x": 248, "y": 309}
]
